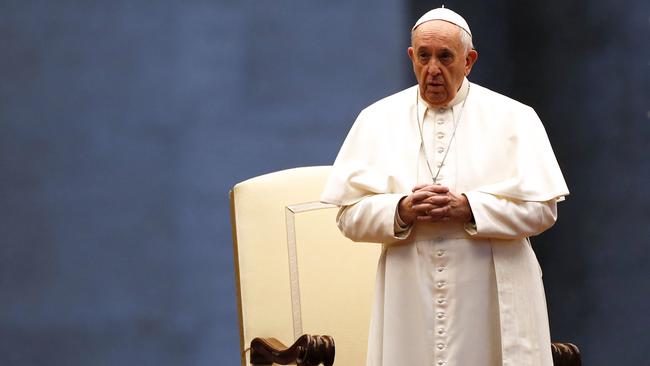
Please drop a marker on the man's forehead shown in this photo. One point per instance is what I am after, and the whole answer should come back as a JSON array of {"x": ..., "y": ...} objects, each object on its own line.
[{"x": 437, "y": 31}]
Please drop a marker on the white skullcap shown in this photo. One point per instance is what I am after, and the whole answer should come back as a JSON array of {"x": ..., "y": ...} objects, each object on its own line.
[{"x": 446, "y": 15}]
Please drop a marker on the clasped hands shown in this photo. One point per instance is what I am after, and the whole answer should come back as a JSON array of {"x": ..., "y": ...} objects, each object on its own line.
[{"x": 434, "y": 203}]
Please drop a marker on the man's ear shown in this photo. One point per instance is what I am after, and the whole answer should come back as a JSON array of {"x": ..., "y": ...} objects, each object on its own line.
[
  {"x": 411, "y": 53},
  {"x": 472, "y": 55}
]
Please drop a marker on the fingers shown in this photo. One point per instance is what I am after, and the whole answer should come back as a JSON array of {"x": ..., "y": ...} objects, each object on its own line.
[
  {"x": 438, "y": 200},
  {"x": 419, "y": 196},
  {"x": 418, "y": 187},
  {"x": 435, "y": 188},
  {"x": 439, "y": 212},
  {"x": 436, "y": 214},
  {"x": 432, "y": 194},
  {"x": 433, "y": 219},
  {"x": 435, "y": 203},
  {"x": 433, "y": 206},
  {"x": 423, "y": 208}
]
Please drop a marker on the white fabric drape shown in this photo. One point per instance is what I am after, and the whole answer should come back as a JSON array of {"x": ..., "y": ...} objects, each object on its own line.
[{"x": 452, "y": 294}]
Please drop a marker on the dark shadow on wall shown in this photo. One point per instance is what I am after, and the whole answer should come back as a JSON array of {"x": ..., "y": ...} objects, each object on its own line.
[{"x": 585, "y": 68}]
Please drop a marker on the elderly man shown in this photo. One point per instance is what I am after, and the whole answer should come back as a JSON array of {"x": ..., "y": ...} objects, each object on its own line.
[{"x": 452, "y": 179}]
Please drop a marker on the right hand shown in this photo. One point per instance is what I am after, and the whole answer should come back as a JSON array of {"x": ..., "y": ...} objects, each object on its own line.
[{"x": 425, "y": 200}]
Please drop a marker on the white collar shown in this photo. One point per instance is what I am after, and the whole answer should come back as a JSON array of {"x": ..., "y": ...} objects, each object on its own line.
[{"x": 455, "y": 103}]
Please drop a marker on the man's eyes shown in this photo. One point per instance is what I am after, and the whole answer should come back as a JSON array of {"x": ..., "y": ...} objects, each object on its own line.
[{"x": 444, "y": 57}]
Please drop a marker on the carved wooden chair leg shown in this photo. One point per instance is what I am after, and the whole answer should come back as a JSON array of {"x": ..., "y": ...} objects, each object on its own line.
[
  {"x": 566, "y": 354},
  {"x": 308, "y": 350}
]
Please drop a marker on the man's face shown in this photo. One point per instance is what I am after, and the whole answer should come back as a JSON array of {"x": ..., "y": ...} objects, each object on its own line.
[{"x": 440, "y": 61}]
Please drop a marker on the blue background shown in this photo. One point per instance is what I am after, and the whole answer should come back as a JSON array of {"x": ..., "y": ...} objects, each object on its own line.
[{"x": 123, "y": 125}]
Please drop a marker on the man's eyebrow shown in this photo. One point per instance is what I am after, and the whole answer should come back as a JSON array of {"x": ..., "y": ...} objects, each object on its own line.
[
  {"x": 446, "y": 49},
  {"x": 439, "y": 50}
]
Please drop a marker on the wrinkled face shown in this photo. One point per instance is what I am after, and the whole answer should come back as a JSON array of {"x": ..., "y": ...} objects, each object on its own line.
[{"x": 440, "y": 61}]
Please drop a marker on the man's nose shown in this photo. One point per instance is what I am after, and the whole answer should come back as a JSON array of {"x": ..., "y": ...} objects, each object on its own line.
[{"x": 433, "y": 68}]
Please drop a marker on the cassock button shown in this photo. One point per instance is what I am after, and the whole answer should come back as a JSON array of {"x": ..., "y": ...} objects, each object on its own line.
[
  {"x": 441, "y": 284},
  {"x": 441, "y": 300},
  {"x": 441, "y": 150},
  {"x": 440, "y": 253},
  {"x": 441, "y": 331},
  {"x": 441, "y": 362},
  {"x": 440, "y": 315},
  {"x": 441, "y": 269},
  {"x": 441, "y": 121},
  {"x": 440, "y": 346},
  {"x": 440, "y": 135}
]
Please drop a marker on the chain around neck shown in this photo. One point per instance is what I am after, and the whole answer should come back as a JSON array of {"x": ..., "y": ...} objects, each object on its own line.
[{"x": 453, "y": 134}]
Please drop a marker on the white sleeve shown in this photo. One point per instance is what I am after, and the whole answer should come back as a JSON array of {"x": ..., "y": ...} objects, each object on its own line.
[
  {"x": 502, "y": 218},
  {"x": 373, "y": 219}
]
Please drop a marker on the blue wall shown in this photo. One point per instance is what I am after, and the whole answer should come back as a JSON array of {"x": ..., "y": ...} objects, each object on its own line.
[
  {"x": 585, "y": 68},
  {"x": 123, "y": 124}
]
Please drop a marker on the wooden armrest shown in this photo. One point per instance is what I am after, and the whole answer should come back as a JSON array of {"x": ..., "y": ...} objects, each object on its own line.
[
  {"x": 565, "y": 354},
  {"x": 312, "y": 350},
  {"x": 308, "y": 350}
]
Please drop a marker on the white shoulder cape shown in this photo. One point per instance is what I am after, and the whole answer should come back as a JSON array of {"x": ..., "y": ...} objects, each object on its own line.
[{"x": 501, "y": 144}]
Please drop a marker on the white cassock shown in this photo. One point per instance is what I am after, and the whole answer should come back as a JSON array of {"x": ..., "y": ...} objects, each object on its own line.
[{"x": 449, "y": 294}]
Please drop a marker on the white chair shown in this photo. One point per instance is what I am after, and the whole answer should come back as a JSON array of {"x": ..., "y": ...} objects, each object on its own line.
[{"x": 296, "y": 274}]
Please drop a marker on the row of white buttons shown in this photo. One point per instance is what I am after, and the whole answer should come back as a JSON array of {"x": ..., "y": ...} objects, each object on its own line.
[
  {"x": 441, "y": 283},
  {"x": 441, "y": 301},
  {"x": 442, "y": 131}
]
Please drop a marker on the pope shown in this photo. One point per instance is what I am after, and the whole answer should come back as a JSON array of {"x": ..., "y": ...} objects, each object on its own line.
[{"x": 451, "y": 179}]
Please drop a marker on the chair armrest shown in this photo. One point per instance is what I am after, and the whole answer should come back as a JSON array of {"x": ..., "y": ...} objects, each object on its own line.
[
  {"x": 312, "y": 350},
  {"x": 308, "y": 350},
  {"x": 565, "y": 354}
]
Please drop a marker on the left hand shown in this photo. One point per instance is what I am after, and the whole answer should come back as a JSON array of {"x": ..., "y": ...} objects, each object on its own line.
[{"x": 452, "y": 207}]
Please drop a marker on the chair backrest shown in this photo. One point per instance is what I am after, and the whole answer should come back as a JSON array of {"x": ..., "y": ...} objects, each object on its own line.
[{"x": 295, "y": 272}]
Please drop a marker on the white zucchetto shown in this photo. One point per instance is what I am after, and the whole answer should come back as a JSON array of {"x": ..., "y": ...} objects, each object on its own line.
[{"x": 446, "y": 15}]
